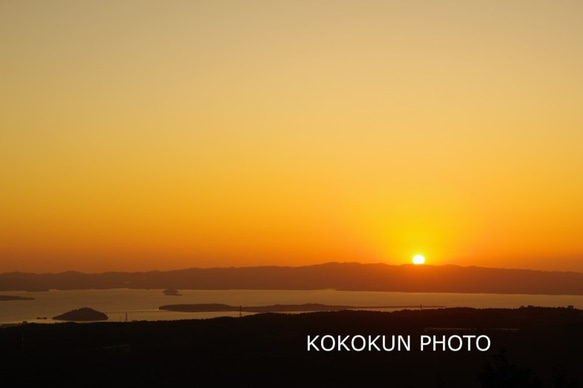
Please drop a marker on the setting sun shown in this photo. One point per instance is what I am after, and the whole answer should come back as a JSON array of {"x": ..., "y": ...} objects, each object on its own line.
[
  {"x": 418, "y": 259},
  {"x": 142, "y": 136}
]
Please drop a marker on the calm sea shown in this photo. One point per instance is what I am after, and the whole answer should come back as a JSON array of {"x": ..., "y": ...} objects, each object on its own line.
[{"x": 143, "y": 304}]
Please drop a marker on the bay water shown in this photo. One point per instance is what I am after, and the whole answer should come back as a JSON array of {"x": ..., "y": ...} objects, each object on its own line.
[{"x": 136, "y": 304}]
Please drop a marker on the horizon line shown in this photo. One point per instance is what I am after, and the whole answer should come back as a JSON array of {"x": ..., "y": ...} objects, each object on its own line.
[{"x": 299, "y": 266}]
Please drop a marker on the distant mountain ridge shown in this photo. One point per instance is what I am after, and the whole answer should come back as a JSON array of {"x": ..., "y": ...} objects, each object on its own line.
[{"x": 340, "y": 276}]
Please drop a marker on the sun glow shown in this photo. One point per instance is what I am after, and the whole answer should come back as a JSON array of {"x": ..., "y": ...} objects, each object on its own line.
[
  {"x": 290, "y": 146},
  {"x": 418, "y": 260}
]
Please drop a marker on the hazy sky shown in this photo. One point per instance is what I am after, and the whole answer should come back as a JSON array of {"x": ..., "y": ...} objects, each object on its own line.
[{"x": 139, "y": 135}]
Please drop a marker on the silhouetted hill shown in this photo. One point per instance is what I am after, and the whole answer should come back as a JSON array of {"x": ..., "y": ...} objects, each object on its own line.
[
  {"x": 82, "y": 314},
  {"x": 340, "y": 276}
]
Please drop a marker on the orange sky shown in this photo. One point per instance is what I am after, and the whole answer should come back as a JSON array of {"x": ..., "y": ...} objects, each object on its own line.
[{"x": 142, "y": 135}]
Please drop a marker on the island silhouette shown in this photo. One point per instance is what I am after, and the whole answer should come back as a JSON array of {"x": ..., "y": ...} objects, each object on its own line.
[
  {"x": 275, "y": 308},
  {"x": 13, "y": 297},
  {"x": 81, "y": 315}
]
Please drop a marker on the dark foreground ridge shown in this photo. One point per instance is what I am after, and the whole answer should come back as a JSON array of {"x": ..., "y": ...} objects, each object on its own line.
[
  {"x": 339, "y": 276},
  {"x": 530, "y": 347}
]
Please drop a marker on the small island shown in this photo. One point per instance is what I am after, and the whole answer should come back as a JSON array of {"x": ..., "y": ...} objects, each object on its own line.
[
  {"x": 172, "y": 292},
  {"x": 12, "y": 297},
  {"x": 81, "y": 315}
]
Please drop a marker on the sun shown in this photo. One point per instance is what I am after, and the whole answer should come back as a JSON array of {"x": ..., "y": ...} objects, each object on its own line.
[{"x": 418, "y": 260}]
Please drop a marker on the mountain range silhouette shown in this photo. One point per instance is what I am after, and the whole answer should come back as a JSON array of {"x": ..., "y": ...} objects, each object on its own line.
[{"x": 339, "y": 276}]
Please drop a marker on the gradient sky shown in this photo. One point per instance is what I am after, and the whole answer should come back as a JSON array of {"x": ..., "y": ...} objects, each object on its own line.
[{"x": 140, "y": 135}]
